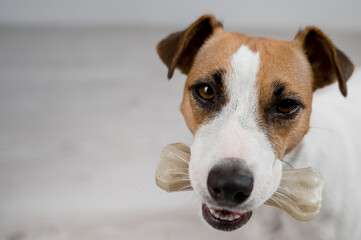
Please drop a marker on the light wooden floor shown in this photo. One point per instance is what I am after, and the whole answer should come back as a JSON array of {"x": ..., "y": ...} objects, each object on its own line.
[{"x": 84, "y": 113}]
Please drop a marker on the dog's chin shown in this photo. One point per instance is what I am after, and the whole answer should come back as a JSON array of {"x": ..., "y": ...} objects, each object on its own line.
[{"x": 224, "y": 220}]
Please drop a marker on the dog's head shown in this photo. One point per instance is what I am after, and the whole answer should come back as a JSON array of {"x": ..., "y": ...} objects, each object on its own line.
[{"x": 247, "y": 101}]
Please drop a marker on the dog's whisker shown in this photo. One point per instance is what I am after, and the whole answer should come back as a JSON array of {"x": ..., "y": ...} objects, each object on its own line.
[
  {"x": 183, "y": 152},
  {"x": 282, "y": 188},
  {"x": 187, "y": 186},
  {"x": 293, "y": 158},
  {"x": 325, "y": 129},
  {"x": 285, "y": 196},
  {"x": 288, "y": 158},
  {"x": 183, "y": 170},
  {"x": 278, "y": 203},
  {"x": 179, "y": 179},
  {"x": 176, "y": 173},
  {"x": 177, "y": 156},
  {"x": 287, "y": 163}
]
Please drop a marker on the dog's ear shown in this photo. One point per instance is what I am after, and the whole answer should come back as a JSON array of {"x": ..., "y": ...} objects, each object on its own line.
[
  {"x": 328, "y": 63},
  {"x": 179, "y": 49}
]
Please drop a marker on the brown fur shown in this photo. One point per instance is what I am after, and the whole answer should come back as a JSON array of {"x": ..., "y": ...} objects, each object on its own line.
[
  {"x": 179, "y": 49},
  {"x": 283, "y": 62},
  {"x": 328, "y": 63},
  {"x": 305, "y": 64},
  {"x": 224, "y": 43}
]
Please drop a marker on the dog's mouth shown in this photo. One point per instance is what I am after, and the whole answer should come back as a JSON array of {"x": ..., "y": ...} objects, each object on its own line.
[{"x": 223, "y": 219}]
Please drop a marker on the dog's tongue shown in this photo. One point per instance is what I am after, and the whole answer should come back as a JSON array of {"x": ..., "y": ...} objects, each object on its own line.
[{"x": 299, "y": 194}]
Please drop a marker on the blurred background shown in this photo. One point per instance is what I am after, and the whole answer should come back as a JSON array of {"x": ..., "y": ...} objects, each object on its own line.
[{"x": 85, "y": 109}]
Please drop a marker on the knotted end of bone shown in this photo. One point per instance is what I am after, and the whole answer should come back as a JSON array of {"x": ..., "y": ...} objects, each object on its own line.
[
  {"x": 299, "y": 193},
  {"x": 172, "y": 170}
]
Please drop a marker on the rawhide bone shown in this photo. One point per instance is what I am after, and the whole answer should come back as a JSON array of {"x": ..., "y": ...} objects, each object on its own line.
[{"x": 299, "y": 193}]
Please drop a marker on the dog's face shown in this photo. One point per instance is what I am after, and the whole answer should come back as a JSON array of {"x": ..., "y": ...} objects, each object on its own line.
[{"x": 247, "y": 100}]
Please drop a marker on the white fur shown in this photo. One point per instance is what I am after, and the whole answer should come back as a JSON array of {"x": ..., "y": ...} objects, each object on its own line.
[
  {"x": 332, "y": 146},
  {"x": 234, "y": 133}
]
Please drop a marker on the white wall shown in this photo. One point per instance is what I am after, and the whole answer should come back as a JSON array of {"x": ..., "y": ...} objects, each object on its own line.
[{"x": 332, "y": 14}]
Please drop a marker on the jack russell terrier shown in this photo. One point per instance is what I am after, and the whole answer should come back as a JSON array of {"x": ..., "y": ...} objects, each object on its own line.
[{"x": 247, "y": 101}]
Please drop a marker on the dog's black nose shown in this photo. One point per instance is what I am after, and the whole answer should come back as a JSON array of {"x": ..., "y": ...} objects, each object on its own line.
[{"x": 230, "y": 182}]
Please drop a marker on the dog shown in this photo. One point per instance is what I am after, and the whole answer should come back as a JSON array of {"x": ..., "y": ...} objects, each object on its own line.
[{"x": 248, "y": 101}]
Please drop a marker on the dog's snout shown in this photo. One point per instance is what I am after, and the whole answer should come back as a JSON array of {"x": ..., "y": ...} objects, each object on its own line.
[{"x": 230, "y": 182}]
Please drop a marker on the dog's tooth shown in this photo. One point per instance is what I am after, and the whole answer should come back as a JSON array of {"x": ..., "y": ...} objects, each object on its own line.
[
  {"x": 212, "y": 210},
  {"x": 228, "y": 218},
  {"x": 237, "y": 216},
  {"x": 216, "y": 215}
]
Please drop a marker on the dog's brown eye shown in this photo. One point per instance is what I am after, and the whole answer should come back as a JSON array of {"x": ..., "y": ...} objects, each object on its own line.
[
  {"x": 287, "y": 106},
  {"x": 206, "y": 92}
]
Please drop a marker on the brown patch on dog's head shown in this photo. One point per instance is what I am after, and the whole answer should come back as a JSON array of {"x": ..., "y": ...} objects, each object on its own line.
[
  {"x": 293, "y": 70},
  {"x": 328, "y": 62},
  {"x": 288, "y": 71},
  {"x": 214, "y": 56},
  {"x": 179, "y": 49},
  {"x": 284, "y": 75}
]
